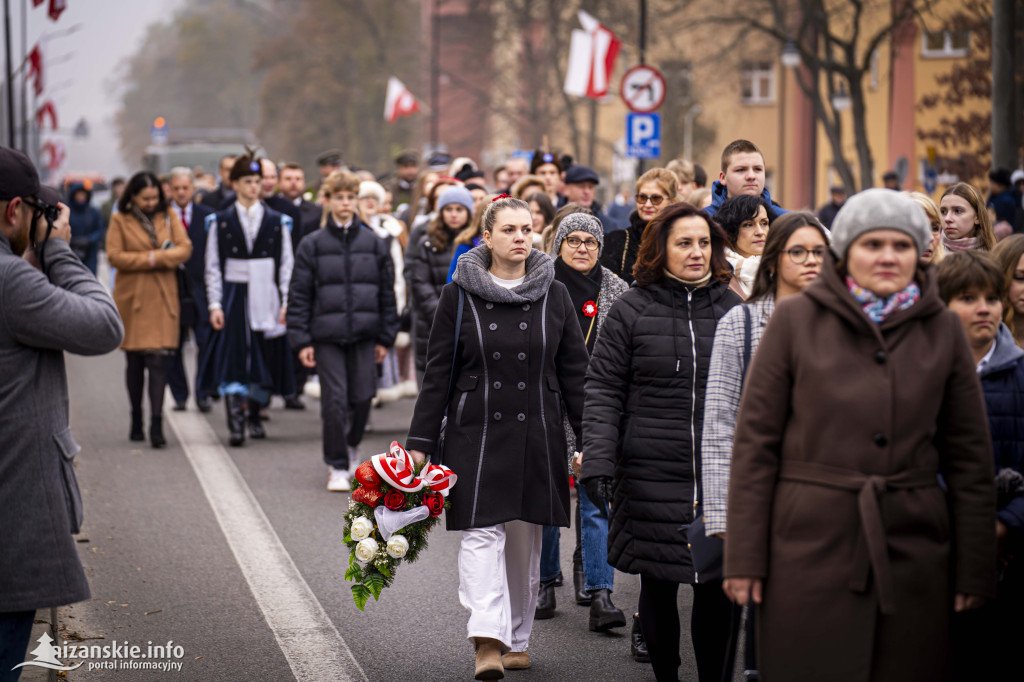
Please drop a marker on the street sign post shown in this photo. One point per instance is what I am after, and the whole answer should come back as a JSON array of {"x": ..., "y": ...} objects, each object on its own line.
[
  {"x": 643, "y": 136},
  {"x": 643, "y": 88}
]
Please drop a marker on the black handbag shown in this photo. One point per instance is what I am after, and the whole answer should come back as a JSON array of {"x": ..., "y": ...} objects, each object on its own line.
[
  {"x": 438, "y": 456},
  {"x": 708, "y": 552}
]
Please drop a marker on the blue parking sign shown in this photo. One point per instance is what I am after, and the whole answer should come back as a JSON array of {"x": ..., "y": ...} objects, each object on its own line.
[{"x": 643, "y": 136}]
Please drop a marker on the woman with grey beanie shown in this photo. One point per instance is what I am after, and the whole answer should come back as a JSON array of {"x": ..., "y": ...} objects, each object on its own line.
[
  {"x": 593, "y": 289},
  {"x": 864, "y": 464}
]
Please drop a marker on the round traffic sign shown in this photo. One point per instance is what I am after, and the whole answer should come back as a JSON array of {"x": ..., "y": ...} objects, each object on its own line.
[{"x": 643, "y": 88}]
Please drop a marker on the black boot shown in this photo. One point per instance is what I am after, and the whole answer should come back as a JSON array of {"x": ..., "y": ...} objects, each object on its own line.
[
  {"x": 136, "y": 433},
  {"x": 603, "y": 614},
  {"x": 637, "y": 643},
  {"x": 156, "y": 432},
  {"x": 545, "y": 601},
  {"x": 579, "y": 583},
  {"x": 255, "y": 424},
  {"x": 234, "y": 406}
]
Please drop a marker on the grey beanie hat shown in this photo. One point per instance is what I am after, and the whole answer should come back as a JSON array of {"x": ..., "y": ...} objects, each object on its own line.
[
  {"x": 879, "y": 209},
  {"x": 578, "y": 221},
  {"x": 456, "y": 194}
]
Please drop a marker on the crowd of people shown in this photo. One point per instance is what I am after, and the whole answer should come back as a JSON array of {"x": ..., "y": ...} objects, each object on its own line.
[{"x": 814, "y": 420}]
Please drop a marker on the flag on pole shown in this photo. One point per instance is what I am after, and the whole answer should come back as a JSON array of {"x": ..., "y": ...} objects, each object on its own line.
[
  {"x": 35, "y": 69},
  {"x": 56, "y": 7},
  {"x": 592, "y": 54},
  {"x": 399, "y": 101}
]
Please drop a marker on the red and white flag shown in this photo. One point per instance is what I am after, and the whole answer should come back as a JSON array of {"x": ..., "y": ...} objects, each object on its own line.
[
  {"x": 399, "y": 101},
  {"x": 35, "y": 69},
  {"x": 592, "y": 54}
]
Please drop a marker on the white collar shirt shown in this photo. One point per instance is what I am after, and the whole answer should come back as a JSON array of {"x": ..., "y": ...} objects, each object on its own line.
[{"x": 251, "y": 218}]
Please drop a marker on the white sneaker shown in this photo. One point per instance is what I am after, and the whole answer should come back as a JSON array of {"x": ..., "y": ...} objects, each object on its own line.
[
  {"x": 338, "y": 482},
  {"x": 355, "y": 458},
  {"x": 312, "y": 388}
]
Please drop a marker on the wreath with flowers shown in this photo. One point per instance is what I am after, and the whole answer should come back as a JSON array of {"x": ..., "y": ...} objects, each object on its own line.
[{"x": 393, "y": 507}]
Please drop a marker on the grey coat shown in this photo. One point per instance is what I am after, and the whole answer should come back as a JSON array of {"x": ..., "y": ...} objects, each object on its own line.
[{"x": 40, "y": 505}]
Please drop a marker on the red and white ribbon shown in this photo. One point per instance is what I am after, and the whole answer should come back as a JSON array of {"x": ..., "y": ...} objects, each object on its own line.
[
  {"x": 397, "y": 469},
  {"x": 438, "y": 478}
]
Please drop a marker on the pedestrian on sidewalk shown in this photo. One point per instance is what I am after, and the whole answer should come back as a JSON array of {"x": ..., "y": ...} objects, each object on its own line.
[
  {"x": 249, "y": 265},
  {"x": 342, "y": 319},
  {"x": 642, "y": 425},
  {"x": 518, "y": 355},
  {"x": 146, "y": 243},
  {"x": 49, "y": 303},
  {"x": 746, "y": 220},
  {"x": 864, "y": 465}
]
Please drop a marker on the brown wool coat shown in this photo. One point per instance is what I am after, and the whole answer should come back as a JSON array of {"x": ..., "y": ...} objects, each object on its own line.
[
  {"x": 837, "y": 413},
  {"x": 147, "y": 298}
]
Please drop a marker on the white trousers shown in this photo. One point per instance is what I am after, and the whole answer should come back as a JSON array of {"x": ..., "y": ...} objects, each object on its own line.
[{"x": 499, "y": 576}]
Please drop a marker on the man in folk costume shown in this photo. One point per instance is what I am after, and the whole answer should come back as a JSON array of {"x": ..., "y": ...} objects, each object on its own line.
[{"x": 248, "y": 269}]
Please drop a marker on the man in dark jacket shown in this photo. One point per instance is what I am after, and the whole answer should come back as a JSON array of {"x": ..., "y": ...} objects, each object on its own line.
[
  {"x": 290, "y": 186},
  {"x": 87, "y": 228},
  {"x": 193, "y": 218},
  {"x": 342, "y": 318},
  {"x": 580, "y": 183},
  {"x": 742, "y": 173},
  {"x": 223, "y": 194},
  {"x": 42, "y": 314}
]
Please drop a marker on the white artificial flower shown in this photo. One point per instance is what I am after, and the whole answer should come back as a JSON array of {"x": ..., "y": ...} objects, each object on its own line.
[
  {"x": 366, "y": 550},
  {"x": 362, "y": 528},
  {"x": 398, "y": 546}
]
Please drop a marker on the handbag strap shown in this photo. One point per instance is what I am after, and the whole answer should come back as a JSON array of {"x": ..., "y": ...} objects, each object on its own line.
[{"x": 455, "y": 345}]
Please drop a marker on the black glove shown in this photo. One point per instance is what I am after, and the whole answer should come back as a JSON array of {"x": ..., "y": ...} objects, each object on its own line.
[{"x": 599, "y": 490}]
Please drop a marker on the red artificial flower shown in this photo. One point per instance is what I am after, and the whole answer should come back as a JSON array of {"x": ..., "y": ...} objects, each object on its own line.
[
  {"x": 590, "y": 309},
  {"x": 434, "y": 502},
  {"x": 368, "y": 496},
  {"x": 394, "y": 500}
]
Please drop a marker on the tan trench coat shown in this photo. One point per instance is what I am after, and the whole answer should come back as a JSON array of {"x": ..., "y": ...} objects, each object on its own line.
[
  {"x": 834, "y": 498},
  {"x": 146, "y": 297}
]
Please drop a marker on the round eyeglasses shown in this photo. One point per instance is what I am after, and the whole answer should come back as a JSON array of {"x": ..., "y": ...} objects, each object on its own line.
[
  {"x": 655, "y": 199},
  {"x": 574, "y": 243},
  {"x": 799, "y": 254}
]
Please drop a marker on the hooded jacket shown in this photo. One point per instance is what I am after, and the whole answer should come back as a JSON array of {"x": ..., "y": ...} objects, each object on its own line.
[
  {"x": 835, "y": 500},
  {"x": 1002, "y": 380},
  {"x": 719, "y": 194},
  {"x": 643, "y": 419},
  {"x": 87, "y": 229},
  {"x": 520, "y": 354}
]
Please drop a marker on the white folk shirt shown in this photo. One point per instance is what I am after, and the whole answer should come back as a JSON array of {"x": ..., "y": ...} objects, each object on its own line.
[{"x": 250, "y": 219}]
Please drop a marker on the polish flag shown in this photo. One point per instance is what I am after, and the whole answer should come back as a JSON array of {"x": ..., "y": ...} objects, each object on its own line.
[
  {"x": 399, "y": 101},
  {"x": 592, "y": 54},
  {"x": 35, "y": 69}
]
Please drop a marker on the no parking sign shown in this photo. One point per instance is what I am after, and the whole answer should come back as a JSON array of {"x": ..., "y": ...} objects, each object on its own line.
[{"x": 643, "y": 136}]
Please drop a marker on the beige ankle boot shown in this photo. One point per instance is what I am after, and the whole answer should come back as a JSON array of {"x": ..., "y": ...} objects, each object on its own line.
[
  {"x": 488, "y": 659},
  {"x": 516, "y": 660}
]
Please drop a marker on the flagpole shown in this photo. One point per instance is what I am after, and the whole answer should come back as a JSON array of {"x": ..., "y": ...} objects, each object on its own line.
[
  {"x": 10, "y": 81},
  {"x": 435, "y": 75},
  {"x": 24, "y": 76},
  {"x": 643, "y": 51}
]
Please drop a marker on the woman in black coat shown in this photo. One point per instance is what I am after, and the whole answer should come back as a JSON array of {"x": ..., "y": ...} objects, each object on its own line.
[
  {"x": 642, "y": 421},
  {"x": 654, "y": 190},
  {"x": 519, "y": 354}
]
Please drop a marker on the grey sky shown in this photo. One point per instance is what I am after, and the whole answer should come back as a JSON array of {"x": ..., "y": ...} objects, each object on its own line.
[{"x": 82, "y": 68}]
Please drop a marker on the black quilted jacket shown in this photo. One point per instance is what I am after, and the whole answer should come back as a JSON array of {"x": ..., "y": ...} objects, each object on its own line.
[{"x": 643, "y": 417}]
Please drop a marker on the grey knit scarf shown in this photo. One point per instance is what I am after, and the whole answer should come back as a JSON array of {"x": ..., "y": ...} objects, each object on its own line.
[
  {"x": 146, "y": 223},
  {"x": 471, "y": 273}
]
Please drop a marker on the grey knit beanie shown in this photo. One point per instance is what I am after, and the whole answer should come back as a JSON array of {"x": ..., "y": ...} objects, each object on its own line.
[
  {"x": 879, "y": 209},
  {"x": 456, "y": 194},
  {"x": 578, "y": 221}
]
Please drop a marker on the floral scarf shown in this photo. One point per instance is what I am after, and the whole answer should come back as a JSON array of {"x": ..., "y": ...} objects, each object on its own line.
[{"x": 878, "y": 309}]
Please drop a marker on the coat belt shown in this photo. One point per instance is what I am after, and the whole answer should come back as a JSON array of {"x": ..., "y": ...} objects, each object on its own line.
[{"x": 872, "y": 555}]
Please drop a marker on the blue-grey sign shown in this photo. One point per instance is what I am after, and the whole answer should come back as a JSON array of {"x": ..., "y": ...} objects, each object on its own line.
[{"x": 643, "y": 136}]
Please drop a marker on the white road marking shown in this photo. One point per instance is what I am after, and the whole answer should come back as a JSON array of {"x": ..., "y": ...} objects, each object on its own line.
[{"x": 312, "y": 645}]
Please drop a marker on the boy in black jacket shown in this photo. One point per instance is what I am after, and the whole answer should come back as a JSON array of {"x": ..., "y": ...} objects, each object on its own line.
[{"x": 342, "y": 319}]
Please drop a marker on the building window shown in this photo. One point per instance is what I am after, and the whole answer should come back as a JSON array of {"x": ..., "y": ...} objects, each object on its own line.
[
  {"x": 945, "y": 43},
  {"x": 757, "y": 82}
]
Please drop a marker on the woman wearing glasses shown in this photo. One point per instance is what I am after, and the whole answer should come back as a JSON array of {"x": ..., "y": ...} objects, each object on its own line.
[
  {"x": 654, "y": 190},
  {"x": 792, "y": 259}
]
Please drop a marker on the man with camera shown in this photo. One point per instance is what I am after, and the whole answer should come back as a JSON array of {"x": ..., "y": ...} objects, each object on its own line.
[{"x": 49, "y": 303}]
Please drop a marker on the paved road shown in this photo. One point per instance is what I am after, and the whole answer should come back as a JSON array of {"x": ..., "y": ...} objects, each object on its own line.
[{"x": 177, "y": 547}]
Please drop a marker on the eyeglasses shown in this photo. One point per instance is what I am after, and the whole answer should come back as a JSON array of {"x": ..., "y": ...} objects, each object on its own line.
[
  {"x": 799, "y": 254},
  {"x": 574, "y": 243},
  {"x": 655, "y": 199}
]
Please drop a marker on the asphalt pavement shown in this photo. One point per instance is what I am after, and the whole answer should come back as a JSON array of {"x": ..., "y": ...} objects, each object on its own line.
[{"x": 175, "y": 554}]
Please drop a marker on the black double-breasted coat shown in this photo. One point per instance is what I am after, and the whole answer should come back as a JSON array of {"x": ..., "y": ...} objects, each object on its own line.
[{"x": 520, "y": 355}]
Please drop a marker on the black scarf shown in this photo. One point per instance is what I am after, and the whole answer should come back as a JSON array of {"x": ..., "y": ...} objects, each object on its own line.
[{"x": 582, "y": 288}]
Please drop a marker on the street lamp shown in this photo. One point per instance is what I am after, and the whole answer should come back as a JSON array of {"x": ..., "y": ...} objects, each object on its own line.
[
  {"x": 790, "y": 56},
  {"x": 841, "y": 98}
]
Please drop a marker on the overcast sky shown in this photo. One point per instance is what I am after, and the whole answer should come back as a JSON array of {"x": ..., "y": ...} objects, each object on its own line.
[{"x": 82, "y": 67}]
